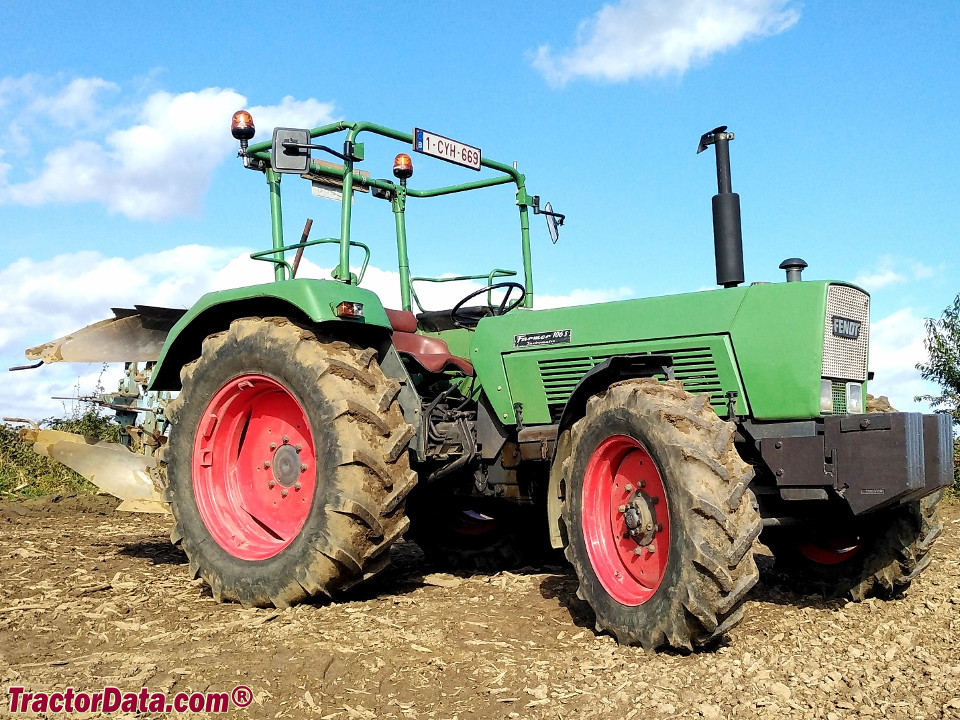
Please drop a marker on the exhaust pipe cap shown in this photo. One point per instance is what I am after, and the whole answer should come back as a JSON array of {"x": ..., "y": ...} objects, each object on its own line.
[{"x": 794, "y": 267}]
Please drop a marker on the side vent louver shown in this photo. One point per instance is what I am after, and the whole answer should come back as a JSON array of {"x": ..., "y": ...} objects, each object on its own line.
[{"x": 694, "y": 366}]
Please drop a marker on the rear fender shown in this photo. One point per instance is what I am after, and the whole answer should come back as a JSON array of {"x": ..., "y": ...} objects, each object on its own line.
[{"x": 312, "y": 301}]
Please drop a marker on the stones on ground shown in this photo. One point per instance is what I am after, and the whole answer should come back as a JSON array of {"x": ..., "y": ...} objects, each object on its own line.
[{"x": 115, "y": 606}]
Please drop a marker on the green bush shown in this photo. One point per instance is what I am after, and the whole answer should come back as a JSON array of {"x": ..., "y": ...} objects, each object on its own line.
[
  {"x": 955, "y": 490},
  {"x": 23, "y": 473}
]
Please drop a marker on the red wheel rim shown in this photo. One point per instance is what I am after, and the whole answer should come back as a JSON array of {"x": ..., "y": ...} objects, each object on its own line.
[
  {"x": 470, "y": 523},
  {"x": 830, "y": 551},
  {"x": 621, "y": 474},
  {"x": 254, "y": 467}
]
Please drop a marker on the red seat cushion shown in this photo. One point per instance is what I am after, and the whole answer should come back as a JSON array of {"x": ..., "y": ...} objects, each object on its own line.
[
  {"x": 432, "y": 353},
  {"x": 402, "y": 320}
]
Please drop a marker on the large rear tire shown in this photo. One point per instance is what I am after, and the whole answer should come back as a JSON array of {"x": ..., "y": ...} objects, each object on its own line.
[
  {"x": 287, "y": 464},
  {"x": 660, "y": 522}
]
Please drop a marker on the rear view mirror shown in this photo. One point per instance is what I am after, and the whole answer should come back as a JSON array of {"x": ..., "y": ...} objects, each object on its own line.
[
  {"x": 553, "y": 227},
  {"x": 554, "y": 219},
  {"x": 291, "y": 150}
]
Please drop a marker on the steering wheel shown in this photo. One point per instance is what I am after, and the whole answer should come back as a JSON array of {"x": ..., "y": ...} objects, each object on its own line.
[{"x": 468, "y": 317}]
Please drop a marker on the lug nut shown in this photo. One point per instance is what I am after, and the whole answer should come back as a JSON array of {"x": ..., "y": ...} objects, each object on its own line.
[
  {"x": 284, "y": 492},
  {"x": 273, "y": 446},
  {"x": 628, "y": 487},
  {"x": 266, "y": 463},
  {"x": 642, "y": 483},
  {"x": 659, "y": 527},
  {"x": 298, "y": 447},
  {"x": 296, "y": 486},
  {"x": 655, "y": 500},
  {"x": 638, "y": 551},
  {"x": 651, "y": 548},
  {"x": 303, "y": 468},
  {"x": 622, "y": 509},
  {"x": 286, "y": 439},
  {"x": 271, "y": 484}
]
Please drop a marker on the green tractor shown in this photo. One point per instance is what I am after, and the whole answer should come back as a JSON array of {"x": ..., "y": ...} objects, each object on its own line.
[{"x": 653, "y": 440}]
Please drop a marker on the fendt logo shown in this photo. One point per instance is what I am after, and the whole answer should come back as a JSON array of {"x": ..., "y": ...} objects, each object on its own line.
[{"x": 846, "y": 328}]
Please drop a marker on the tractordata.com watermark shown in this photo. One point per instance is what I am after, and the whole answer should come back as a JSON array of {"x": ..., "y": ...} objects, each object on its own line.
[{"x": 111, "y": 699}]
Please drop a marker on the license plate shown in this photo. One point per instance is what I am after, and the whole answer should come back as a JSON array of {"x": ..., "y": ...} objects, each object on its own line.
[{"x": 444, "y": 148}]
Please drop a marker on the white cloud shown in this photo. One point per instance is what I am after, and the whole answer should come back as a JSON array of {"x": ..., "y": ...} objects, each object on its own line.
[
  {"x": 44, "y": 300},
  {"x": 896, "y": 346},
  {"x": 44, "y": 110},
  {"x": 892, "y": 270},
  {"x": 584, "y": 297},
  {"x": 641, "y": 38},
  {"x": 78, "y": 103},
  {"x": 124, "y": 156}
]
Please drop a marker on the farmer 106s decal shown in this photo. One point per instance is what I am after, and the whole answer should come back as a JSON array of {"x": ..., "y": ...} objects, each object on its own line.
[{"x": 654, "y": 440}]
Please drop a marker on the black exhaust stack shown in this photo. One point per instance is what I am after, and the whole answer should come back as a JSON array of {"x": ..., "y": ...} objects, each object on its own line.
[{"x": 727, "y": 235}]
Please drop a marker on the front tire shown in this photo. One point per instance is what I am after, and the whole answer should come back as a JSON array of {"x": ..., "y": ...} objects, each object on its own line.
[
  {"x": 287, "y": 464},
  {"x": 660, "y": 522},
  {"x": 876, "y": 557}
]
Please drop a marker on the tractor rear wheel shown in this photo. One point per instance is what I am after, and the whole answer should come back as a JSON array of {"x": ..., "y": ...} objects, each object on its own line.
[
  {"x": 287, "y": 464},
  {"x": 874, "y": 557},
  {"x": 660, "y": 522}
]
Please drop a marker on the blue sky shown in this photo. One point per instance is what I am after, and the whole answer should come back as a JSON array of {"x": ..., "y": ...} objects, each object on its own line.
[{"x": 118, "y": 182}]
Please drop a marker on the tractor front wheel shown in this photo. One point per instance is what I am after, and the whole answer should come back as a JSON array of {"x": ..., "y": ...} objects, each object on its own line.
[
  {"x": 287, "y": 464},
  {"x": 877, "y": 556},
  {"x": 660, "y": 522}
]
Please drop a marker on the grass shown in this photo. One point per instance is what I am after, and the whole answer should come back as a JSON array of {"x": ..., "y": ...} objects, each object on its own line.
[{"x": 23, "y": 473}]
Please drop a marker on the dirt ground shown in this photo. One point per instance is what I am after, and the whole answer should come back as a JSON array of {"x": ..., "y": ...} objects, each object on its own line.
[{"x": 92, "y": 598}]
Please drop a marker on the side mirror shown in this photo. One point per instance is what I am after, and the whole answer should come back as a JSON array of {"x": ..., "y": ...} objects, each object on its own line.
[
  {"x": 554, "y": 219},
  {"x": 553, "y": 227},
  {"x": 291, "y": 150}
]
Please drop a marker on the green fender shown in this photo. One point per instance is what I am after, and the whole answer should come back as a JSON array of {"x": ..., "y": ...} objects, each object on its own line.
[{"x": 313, "y": 301}]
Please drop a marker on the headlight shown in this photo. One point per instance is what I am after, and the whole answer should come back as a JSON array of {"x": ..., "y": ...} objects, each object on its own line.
[
  {"x": 854, "y": 398},
  {"x": 826, "y": 396}
]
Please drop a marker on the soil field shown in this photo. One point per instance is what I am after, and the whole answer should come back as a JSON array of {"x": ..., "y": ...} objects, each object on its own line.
[{"x": 91, "y": 598}]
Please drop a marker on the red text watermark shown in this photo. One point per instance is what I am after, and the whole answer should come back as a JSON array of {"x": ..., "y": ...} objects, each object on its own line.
[{"x": 111, "y": 699}]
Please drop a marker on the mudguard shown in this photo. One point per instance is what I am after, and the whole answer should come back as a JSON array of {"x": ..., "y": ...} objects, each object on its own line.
[{"x": 312, "y": 300}]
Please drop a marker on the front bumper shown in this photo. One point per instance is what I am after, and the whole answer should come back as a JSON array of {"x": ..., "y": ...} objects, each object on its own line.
[{"x": 872, "y": 461}]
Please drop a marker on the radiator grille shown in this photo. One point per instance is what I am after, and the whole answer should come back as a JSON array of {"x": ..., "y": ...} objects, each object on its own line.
[
  {"x": 839, "y": 398},
  {"x": 696, "y": 367},
  {"x": 846, "y": 358}
]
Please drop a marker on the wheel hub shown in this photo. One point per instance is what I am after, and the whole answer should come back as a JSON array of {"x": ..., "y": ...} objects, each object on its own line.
[
  {"x": 640, "y": 518},
  {"x": 286, "y": 465}
]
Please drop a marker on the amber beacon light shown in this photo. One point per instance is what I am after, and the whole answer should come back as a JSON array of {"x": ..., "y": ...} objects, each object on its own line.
[
  {"x": 402, "y": 167},
  {"x": 242, "y": 128}
]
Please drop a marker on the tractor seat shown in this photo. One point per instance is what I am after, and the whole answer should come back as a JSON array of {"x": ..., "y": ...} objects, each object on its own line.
[{"x": 432, "y": 353}]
